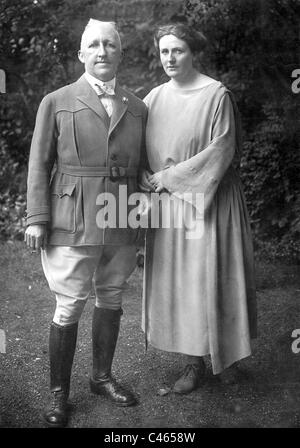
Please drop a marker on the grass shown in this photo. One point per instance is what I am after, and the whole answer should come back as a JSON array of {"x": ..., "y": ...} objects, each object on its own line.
[{"x": 268, "y": 394}]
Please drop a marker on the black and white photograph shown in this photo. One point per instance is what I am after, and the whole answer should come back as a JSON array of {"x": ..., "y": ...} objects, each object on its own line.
[{"x": 149, "y": 217}]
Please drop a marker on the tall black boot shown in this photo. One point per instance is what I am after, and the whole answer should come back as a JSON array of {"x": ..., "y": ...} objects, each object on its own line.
[
  {"x": 105, "y": 331},
  {"x": 62, "y": 343}
]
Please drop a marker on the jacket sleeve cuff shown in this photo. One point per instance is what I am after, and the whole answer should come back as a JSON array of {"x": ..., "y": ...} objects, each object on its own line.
[{"x": 42, "y": 218}]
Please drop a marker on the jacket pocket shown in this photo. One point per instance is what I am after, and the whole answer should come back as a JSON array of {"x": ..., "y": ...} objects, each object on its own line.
[{"x": 63, "y": 208}]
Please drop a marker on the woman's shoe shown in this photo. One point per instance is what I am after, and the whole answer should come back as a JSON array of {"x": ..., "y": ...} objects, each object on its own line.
[
  {"x": 231, "y": 375},
  {"x": 191, "y": 378}
]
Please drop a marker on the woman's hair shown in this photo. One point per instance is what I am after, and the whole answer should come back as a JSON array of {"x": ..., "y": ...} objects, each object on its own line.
[{"x": 195, "y": 39}]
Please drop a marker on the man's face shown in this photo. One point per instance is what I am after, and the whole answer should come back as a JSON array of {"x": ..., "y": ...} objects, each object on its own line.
[{"x": 100, "y": 51}]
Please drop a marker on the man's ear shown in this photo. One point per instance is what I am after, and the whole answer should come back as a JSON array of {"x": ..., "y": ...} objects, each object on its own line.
[{"x": 80, "y": 56}]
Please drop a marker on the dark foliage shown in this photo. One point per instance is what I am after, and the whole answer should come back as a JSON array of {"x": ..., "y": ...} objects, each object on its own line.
[{"x": 253, "y": 48}]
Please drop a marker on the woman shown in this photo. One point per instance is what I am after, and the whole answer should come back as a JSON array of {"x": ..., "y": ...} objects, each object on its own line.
[{"x": 199, "y": 293}]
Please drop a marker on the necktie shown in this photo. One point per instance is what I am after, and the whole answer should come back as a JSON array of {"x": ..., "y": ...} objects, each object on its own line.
[
  {"x": 105, "y": 93},
  {"x": 105, "y": 89}
]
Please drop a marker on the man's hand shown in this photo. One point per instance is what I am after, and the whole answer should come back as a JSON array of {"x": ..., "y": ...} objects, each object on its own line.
[{"x": 36, "y": 237}]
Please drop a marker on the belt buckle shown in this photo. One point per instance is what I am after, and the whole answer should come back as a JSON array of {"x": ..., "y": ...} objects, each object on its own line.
[{"x": 114, "y": 173}]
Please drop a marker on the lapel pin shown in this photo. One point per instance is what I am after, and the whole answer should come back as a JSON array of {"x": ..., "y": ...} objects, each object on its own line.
[{"x": 125, "y": 100}]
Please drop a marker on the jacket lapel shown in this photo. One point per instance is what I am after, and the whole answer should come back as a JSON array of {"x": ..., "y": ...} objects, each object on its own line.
[
  {"x": 89, "y": 97},
  {"x": 120, "y": 104}
]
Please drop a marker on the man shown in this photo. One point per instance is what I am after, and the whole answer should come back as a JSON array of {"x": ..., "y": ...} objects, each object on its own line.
[{"x": 90, "y": 134}]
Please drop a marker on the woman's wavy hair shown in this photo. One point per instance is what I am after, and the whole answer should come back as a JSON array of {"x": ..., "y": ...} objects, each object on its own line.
[{"x": 195, "y": 39}]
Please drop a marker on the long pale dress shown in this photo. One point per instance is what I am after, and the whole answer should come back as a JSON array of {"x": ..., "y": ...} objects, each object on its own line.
[{"x": 199, "y": 294}]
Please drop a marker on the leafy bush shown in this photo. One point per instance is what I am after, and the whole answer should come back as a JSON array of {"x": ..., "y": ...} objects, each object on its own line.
[
  {"x": 12, "y": 195},
  {"x": 252, "y": 49},
  {"x": 269, "y": 168}
]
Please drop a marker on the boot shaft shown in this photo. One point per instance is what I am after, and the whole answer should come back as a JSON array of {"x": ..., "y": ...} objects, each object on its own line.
[
  {"x": 105, "y": 332},
  {"x": 62, "y": 344}
]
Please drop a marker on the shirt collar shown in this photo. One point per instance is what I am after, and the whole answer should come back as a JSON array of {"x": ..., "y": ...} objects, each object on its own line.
[{"x": 92, "y": 81}]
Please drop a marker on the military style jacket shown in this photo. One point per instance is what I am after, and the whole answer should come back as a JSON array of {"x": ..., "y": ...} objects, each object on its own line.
[{"x": 78, "y": 154}]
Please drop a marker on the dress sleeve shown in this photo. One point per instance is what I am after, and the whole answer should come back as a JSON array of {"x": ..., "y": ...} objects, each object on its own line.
[
  {"x": 147, "y": 99},
  {"x": 203, "y": 172},
  {"x": 150, "y": 97}
]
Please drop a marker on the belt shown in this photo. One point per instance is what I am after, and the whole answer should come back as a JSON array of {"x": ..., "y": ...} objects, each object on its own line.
[{"x": 113, "y": 172}]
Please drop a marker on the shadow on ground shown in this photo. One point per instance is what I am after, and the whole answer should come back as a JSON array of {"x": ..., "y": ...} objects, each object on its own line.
[{"x": 267, "y": 394}]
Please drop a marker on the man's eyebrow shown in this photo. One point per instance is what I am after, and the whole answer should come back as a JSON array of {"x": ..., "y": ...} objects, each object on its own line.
[
  {"x": 110, "y": 41},
  {"x": 93, "y": 41},
  {"x": 105, "y": 41}
]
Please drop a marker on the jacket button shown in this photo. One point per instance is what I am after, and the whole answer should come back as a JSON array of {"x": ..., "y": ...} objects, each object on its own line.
[{"x": 113, "y": 157}]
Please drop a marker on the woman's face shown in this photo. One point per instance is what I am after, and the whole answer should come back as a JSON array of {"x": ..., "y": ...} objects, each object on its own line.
[{"x": 176, "y": 57}]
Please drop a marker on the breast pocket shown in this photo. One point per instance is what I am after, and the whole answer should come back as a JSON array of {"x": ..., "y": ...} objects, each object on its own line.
[{"x": 63, "y": 208}]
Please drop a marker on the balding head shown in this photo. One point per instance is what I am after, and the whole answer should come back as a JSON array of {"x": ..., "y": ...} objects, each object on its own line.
[
  {"x": 100, "y": 49},
  {"x": 96, "y": 25}
]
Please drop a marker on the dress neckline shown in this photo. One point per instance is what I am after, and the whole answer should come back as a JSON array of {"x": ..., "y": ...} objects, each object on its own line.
[{"x": 192, "y": 89}]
